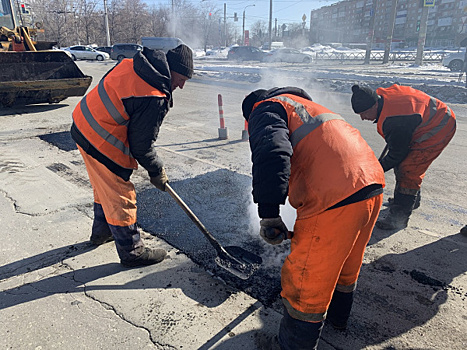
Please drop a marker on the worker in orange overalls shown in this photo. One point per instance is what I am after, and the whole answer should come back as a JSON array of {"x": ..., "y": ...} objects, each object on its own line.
[
  {"x": 416, "y": 128},
  {"x": 332, "y": 177},
  {"x": 115, "y": 127}
]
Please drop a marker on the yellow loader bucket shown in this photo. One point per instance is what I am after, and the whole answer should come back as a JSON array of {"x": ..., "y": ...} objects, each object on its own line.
[{"x": 31, "y": 77}]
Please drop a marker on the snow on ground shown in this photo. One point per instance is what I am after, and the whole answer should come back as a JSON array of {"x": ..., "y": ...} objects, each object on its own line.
[{"x": 336, "y": 75}]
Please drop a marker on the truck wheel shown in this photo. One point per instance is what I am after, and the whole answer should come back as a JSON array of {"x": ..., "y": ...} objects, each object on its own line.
[{"x": 456, "y": 65}]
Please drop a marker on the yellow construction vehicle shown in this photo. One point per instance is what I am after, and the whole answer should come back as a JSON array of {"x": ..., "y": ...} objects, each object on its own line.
[{"x": 30, "y": 71}]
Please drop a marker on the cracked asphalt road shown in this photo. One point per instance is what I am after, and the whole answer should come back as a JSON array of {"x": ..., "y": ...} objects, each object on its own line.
[{"x": 56, "y": 291}]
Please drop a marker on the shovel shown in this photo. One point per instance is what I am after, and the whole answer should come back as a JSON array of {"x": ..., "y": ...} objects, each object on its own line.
[
  {"x": 385, "y": 151},
  {"x": 236, "y": 260}
]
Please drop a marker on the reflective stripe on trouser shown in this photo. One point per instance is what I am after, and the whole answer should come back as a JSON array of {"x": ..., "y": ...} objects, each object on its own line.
[
  {"x": 411, "y": 171},
  {"x": 326, "y": 254},
  {"x": 118, "y": 200}
]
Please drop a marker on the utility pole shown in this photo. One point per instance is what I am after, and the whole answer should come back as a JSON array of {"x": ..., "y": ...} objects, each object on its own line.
[
  {"x": 392, "y": 20},
  {"x": 243, "y": 27},
  {"x": 106, "y": 21},
  {"x": 371, "y": 33},
  {"x": 422, "y": 33},
  {"x": 174, "y": 24},
  {"x": 310, "y": 36},
  {"x": 270, "y": 24},
  {"x": 225, "y": 24}
]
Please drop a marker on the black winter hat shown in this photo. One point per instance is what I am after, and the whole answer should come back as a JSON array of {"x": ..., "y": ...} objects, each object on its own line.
[
  {"x": 363, "y": 98},
  {"x": 250, "y": 100},
  {"x": 180, "y": 60}
]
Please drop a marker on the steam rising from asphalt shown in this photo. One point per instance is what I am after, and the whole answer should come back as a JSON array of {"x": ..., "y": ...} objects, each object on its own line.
[{"x": 272, "y": 255}]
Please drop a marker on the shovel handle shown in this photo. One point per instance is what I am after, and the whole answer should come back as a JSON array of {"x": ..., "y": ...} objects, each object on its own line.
[
  {"x": 193, "y": 218},
  {"x": 383, "y": 154}
]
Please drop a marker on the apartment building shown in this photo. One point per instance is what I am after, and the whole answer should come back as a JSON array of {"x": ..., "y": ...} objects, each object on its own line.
[{"x": 350, "y": 22}]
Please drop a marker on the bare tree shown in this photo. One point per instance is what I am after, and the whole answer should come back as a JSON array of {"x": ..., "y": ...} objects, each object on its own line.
[
  {"x": 158, "y": 20},
  {"x": 258, "y": 34},
  {"x": 72, "y": 22},
  {"x": 87, "y": 21}
]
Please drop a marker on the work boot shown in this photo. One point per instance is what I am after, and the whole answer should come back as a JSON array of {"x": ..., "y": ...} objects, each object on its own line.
[
  {"x": 397, "y": 219},
  {"x": 131, "y": 249},
  {"x": 297, "y": 334},
  {"x": 399, "y": 212},
  {"x": 339, "y": 309},
  {"x": 149, "y": 256},
  {"x": 100, "y": 233},
  {"x": 416, "y": 205}
]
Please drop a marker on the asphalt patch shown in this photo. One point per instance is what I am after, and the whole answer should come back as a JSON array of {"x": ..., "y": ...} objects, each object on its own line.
[
  {"x": 61, "y": 140},
  {"x": 221, "y": 201}
]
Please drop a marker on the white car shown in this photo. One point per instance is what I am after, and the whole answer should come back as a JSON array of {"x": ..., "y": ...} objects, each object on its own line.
[
  {"x": 454, "y": 61},
  {"x": 287, "y": 55},
  {"x": 68, "y": 53},
  {"x": 80, "y": 52}
]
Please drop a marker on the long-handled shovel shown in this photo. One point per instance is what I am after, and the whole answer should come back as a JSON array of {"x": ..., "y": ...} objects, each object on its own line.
[
  {"x": 385, "y": 151},
  {"x": 234, "y": 259}
]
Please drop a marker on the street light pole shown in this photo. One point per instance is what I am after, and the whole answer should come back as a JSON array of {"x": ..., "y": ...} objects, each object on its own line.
[
  {"x": 243, "y": 31},
  {"x": 106, "y": 21}
]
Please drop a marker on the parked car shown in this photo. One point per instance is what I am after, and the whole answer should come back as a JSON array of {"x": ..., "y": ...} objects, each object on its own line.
[
  {"x": 287, "y": 55},
  {"x": 104, "y": 49},
  {"x": 454, "y": 61},
  {"x": 68, "y": 53},
  {"x": 121, "y": 51},
  {"x": 245, "y": 53},
  {"x": 80, "y": 52}
]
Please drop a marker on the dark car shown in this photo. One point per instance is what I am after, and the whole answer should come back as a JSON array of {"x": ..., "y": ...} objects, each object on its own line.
[
  {"x": 245, "y": 53},
  {"x": 121, "y": 51},
  {"x": 104, "y": 49}
]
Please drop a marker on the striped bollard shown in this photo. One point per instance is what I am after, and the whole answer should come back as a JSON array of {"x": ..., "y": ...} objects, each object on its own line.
[
  {"x": 223, "y": 133},
  {"x": 245, "y": 135}
]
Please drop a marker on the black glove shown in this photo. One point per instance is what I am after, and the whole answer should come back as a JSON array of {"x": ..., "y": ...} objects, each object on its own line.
[
  {"x": 160, "y": 180},
  {"x": 273, "y": 230}
]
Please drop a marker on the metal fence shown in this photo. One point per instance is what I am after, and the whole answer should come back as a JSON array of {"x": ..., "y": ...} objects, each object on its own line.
[{"x": 378, "y": 56}]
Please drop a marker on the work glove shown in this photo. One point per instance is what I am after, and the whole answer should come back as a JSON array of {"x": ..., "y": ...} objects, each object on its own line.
[
  {"x": 273, "y": 230},
  {"x": 160, "y": 180}
]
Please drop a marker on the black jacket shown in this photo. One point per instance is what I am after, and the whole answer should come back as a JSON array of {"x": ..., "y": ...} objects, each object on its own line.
[
  {"x": 146, "y": 116},
  {"x": 269, "y": 135},
  {"x": 398, "y": 131}
]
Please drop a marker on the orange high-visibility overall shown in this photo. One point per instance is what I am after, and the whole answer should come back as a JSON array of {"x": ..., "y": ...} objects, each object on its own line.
[
  {"x": 101, "y": 118},
  {"x": 330, "y": 162},
  {"x": 429, "y": 138}
]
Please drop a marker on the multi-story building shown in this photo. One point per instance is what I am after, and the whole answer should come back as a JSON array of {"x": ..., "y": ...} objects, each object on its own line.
[{"x": 349, "y": 22}]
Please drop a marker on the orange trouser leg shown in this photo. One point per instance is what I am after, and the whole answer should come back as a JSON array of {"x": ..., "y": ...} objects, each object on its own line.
[
  {"x": 411, "y": 171},
  {"x": 326, "y": 250},
  {"x": 117, "y": 197}
]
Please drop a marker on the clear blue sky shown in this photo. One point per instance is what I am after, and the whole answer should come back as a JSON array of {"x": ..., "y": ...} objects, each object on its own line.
[{"x": 286, "y": 11}]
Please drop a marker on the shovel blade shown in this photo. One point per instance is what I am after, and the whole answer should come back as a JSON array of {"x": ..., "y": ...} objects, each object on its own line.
[{"x": 239, "y": 262}]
